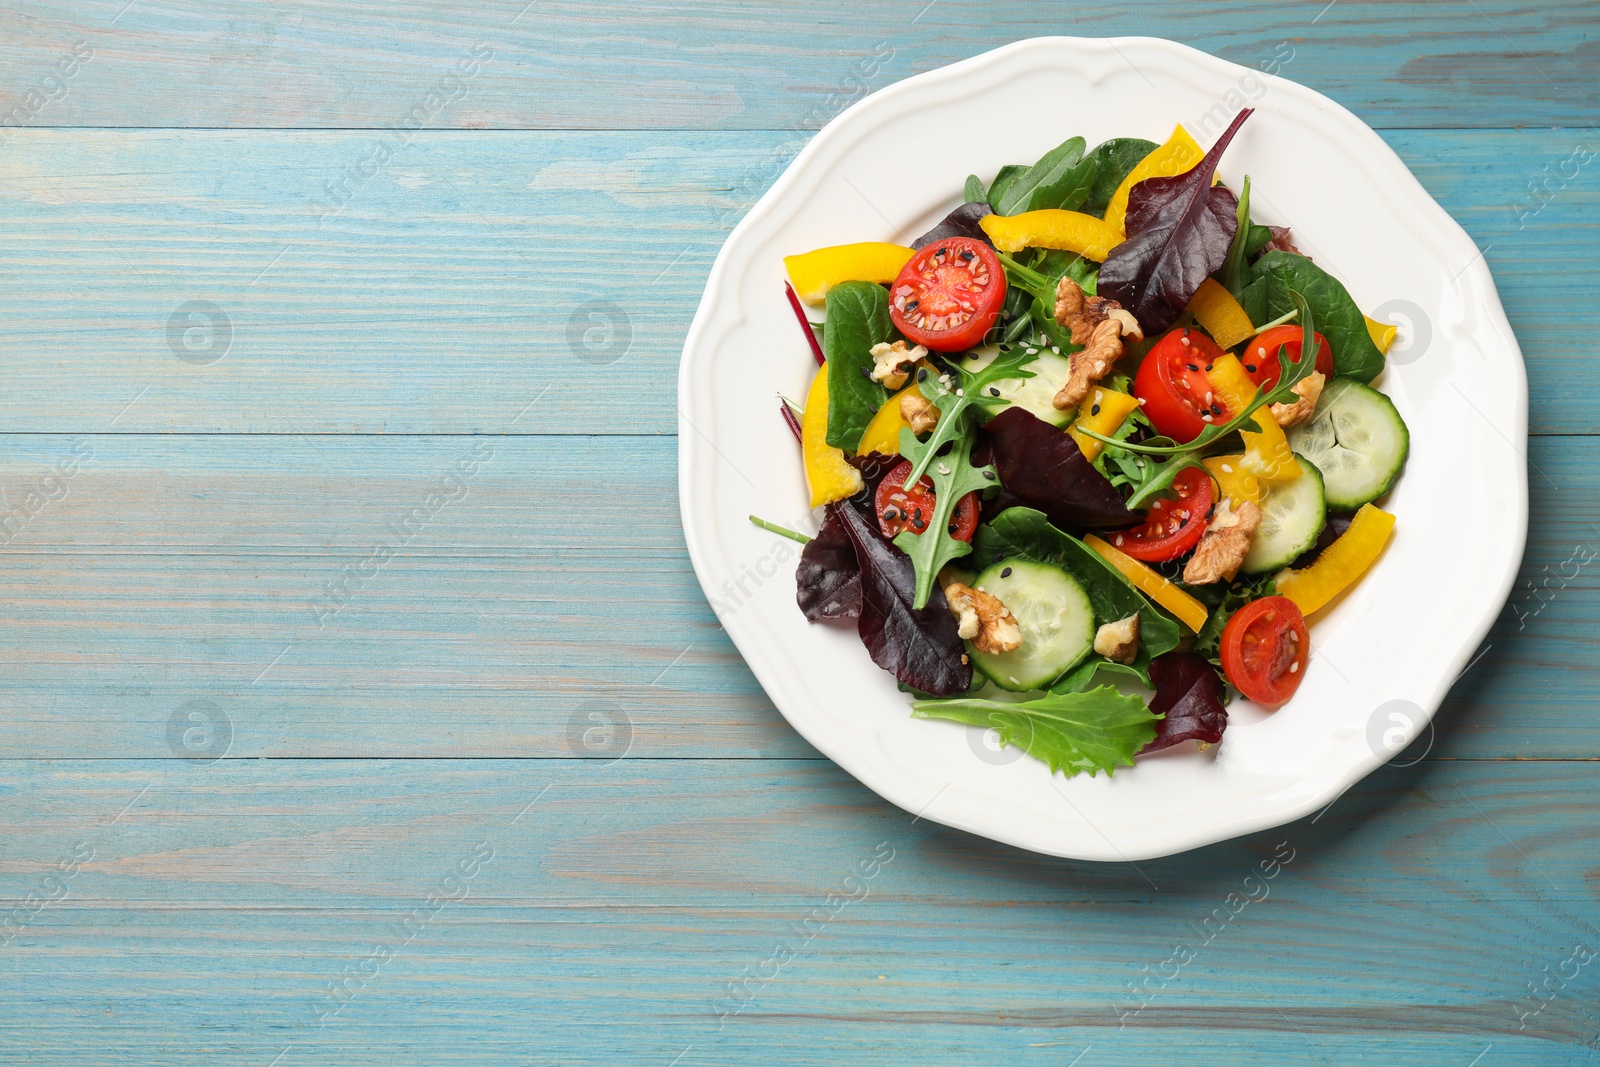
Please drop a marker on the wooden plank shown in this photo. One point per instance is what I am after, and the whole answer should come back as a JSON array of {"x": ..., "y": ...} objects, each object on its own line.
[
  {"x": 212, "y": 912},
  {"x": 660, "y": 64},
  {"x": 553, "y": 586},
  {"x": 458, "y": 284}
]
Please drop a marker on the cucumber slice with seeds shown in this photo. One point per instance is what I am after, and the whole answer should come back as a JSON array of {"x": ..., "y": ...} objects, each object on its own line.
[
  {"x": 1056, "y": 619},
  {"x": 1036, "y": 394},
  {"x": 1292, "y": 515},
  {"x": 1357, "y": 440}
]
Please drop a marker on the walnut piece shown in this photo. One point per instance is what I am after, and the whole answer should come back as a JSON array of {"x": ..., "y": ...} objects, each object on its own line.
[
  {"x": 1099, "y": 325},
  {"x": 1309, "y": 390},
  {"x": 891, "y": 364},
  {"x": 982, "y": 619},
  {"x": 1224, "y": 544},
  {"x": 1119, "y": 641},
  {"x": 920, "y": 413}
]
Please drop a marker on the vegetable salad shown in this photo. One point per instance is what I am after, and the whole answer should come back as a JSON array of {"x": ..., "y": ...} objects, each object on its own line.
[{"x": 1095, "y": 427}]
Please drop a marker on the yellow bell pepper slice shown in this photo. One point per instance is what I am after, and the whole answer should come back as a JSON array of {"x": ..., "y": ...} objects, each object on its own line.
[
  {"x": 1176, "y": 156},
  {"x": 1072, "y": 231},
  {"x": 1216, "y": 309},
  {"x": 1382, "y": 333},
  {"x": 1266, "y": 449},
  {"x": 813, "y": 273},
  {"x": 1341, "y": 564},
  {"x": 1152, "y": 585},
  {"x": 1103, "y": 414},
  {"x": 827, "y": 472},
  {"x": 1233, "y": 480},
  {"x": 883, "y": 432}
]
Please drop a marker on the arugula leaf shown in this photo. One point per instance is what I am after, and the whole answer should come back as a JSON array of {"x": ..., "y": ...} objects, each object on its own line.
[
  {"x": 1179, "y": 231},
  {"x": 1114, "y": 160},
  {"x": 972, "y": 192},
  {"x": 1051, "y": 168},
  {"x": 1282, "y": 274},
  {"x": 1027, "y": 534},
  {"x": 953, "y": 477},
  {"x": 1099, "y": 730},
  {"x": 857, "y": 319},
  {"x": 953, "y": 406}
]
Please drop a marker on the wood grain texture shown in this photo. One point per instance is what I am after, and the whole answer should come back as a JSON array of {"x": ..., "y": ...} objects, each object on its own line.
[
  {"x": 178, "y": 568},
  {"x": 474, "y": 273},
  {"x": 232, "y": 814},
  {"x": 600, "y": 915},
  {"x": 765, "y": 65}
]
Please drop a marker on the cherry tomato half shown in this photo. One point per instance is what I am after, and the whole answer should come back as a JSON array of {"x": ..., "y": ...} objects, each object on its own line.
[
  {"x": 900, "y": 508},
  {"x": 1172, "y": 527},
  {"x": 949, "y": 295},
  {"x": 1260, "y": 356},
  {"x": 1264, "y": 649},
  {"x": 1172, "y": 383}
]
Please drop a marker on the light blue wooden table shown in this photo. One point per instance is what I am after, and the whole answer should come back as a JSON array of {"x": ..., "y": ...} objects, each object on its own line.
[{"x": 361, "y": 707}]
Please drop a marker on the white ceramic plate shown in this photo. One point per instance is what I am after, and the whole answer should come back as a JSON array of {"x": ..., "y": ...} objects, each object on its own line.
[{"x": 1383, "y": 657}]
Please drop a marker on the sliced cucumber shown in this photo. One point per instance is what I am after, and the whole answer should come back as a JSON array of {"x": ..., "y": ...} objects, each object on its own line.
[
  {"x": 1357, "y": 439},
  {"x": 1292, "y": 515},
  {"x": 1036, "y": 394},
  {"x": 1056, "y": 619}
]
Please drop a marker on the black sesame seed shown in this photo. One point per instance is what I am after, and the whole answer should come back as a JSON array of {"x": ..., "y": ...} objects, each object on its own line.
[
  {"x": 967, "y": 257},
  {"x": 994, "y": 390},
  {"x": 1216, "y": 409},
  {"x": 989, "y": 475},
  {"x": 942, "y": 252},
  {"x": 911, "y": 305},
  {"x": 922, "y": 374},
  {"x": 866, "y": 372},
  {"x": 916, "y": 517},
  {"x": 998, "y": 556},
  {"x": 1208, "y": 366},
  {"x": 1006, "y": 573},
  {"x": 1251, "y": 367},
  {"x": 1191, "y": 366},
  {"x": 1095, "y": 410}
]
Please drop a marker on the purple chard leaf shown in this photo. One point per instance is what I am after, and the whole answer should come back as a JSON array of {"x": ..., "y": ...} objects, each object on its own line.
[{"x": 1179, "y": 231}]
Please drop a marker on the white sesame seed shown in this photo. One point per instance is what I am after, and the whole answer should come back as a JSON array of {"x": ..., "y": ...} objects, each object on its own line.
[
  {"x": 1294, "y": 666},
  {"x": 1056, "y": 349},
  {"x": 1227, "y": 468}
]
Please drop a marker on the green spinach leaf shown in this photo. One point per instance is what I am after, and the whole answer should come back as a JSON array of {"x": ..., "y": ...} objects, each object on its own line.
[
  {"x": 1026, "y": 533},
  {"x": 972, "y": 192},
  {"x": 1002, "y": 182},
  {"x": 1099, "y": 730},
  {"x": 1338, "y": 317},
  {"x": 1114, "y": 159},
  {"x": 1052, "y": 167},
  {"x": 857, "y": 319}
]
